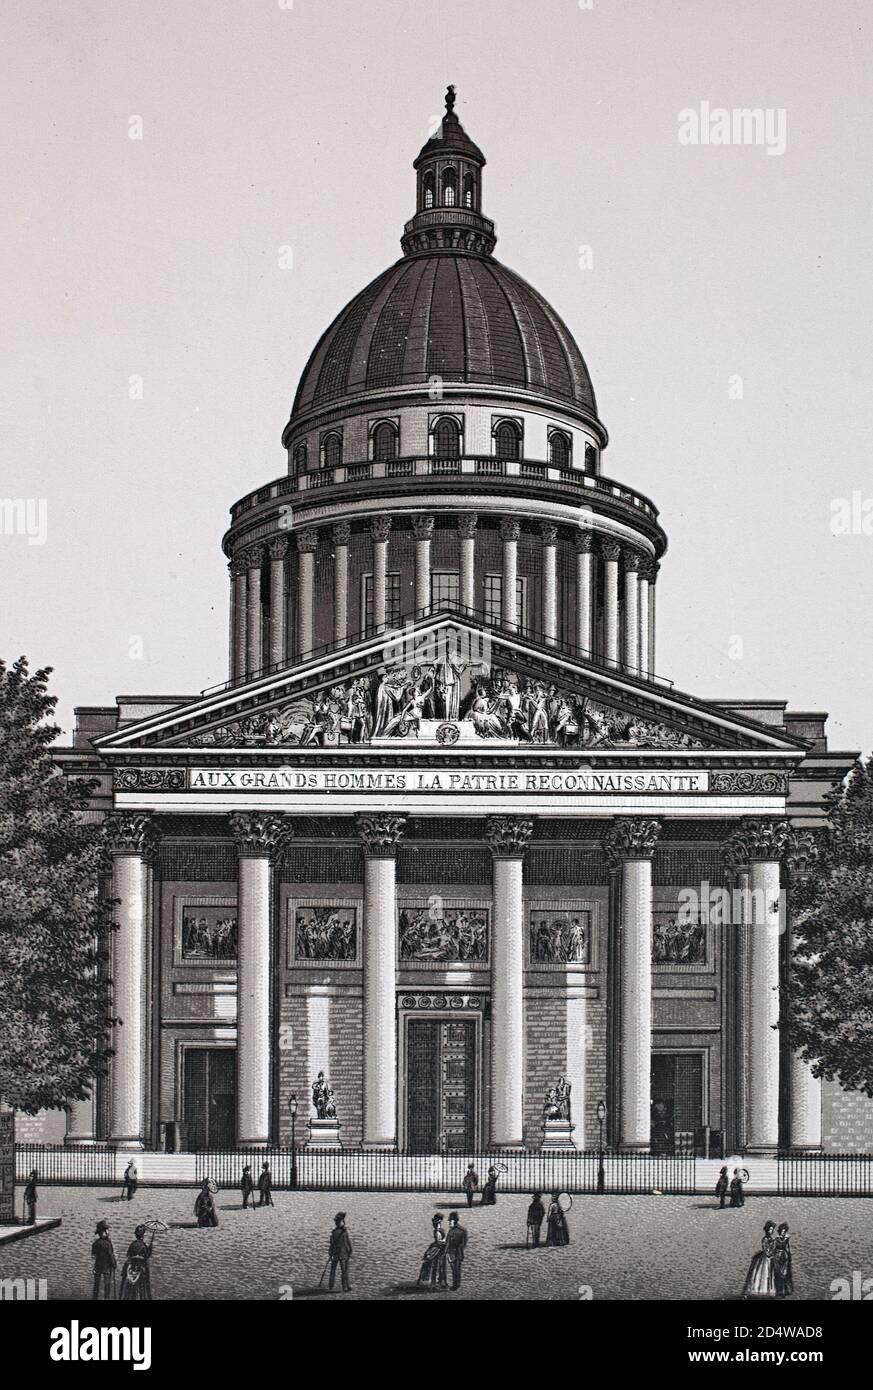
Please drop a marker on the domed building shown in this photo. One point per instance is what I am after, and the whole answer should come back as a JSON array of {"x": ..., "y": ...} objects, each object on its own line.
[{"x": 446, "y": 836}]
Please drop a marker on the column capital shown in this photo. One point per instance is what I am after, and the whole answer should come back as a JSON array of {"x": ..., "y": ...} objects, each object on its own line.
[
  {"x": 307, "y": 541},
  {"x": 423, "y": 527},
  {"x": 647, "y": 568},
  {"x": 253, "y": 555},
  {"x": 802, "y": 849},
  {"x": 757, "y": 839},
  {"x": 381, "y": 833},
  {"x": 238, "y": 565},
  {"x": 583, "y": 541},
  {"x": 630, "y": 837},
  {"x": 259, "y": 833},
  {"x": 278, "y": 547},
  {"x": 610, "y": 550},
  {"x": 342, "y": 533},
  {"x": 632, "y": 560},
  {"x": 508, "y": 835},
  {"x": 510, "y": 530},
  {"x": 467, "y": 522},
  {"x": 131, "y": 832},
  {"x": 549, "y": 533},
  {"x": 380, "y": 528}
]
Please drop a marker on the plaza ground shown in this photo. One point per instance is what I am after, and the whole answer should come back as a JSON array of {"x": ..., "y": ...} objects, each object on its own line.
[{"x": 639, "y": 1247}]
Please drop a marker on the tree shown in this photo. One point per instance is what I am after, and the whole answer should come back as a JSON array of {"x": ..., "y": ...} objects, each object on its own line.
[
  {"x": 54, "y": 920},
  {"x": 830, "y": 999}
]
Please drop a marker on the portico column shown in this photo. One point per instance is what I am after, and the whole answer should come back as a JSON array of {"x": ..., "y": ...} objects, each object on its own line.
[
  {"x": 467, "y": 565},
  {"x": 631, "y": 842},
  {"x": 278, "y": 549},
  {"x": 81, "y": 1122},
  {"x": 508, "y": 837},
  {"x": 254, "y": 640},
  {"x": 643, "y": 644},
  {"x": 342, "y": 534},
  {"x": 804, "y": 1088},
  {"x": 611, "y": 557},
  {"x": 510, "y": 532},
  {"x": 549, "y": 620},
  {"x": 131, "y": 840},
  {"x": 238, "y": 636},
  {"x": 258, "y": 837},
  {"x": 584, "y": 542},
  {"x": 631, "y": 610},
  {"x": 380, "y": 834},
  {"x": 380, "y": 529},
  {"x": 653, "y": 574},
  {"x": 307, "y": 544},
  {"x": 761, "y": 844},
  {"x": 422, "y": 526}
]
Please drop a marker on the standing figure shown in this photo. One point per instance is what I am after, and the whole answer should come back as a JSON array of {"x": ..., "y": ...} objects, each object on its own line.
[
  {"x": 247, "y": 1187},
  {"x": 30, "y": 1198},
  {"x": 470, "y": 1183},
  {"x": 265, "y": 1186},
  {"x": 433, "y": 1264},
  {"x": 782, "y": 1263},
  {"x": 536, "y": 1215},
  {"x": 204, "y": 1207},
  {"x": 319, "y": 1095},
  {"x": 557, "y": 1232},
  {"x": 130, "y": 1181},
  {"x": 456, "y": 1244},
  {"x": 136, "y": 1282},
  {"x": 721, "y": 1187},
  {"x": 340, "y": 1251},
  {"x": 447, "y": 686},
  {"x": 761, "y": 1278},
  {"x": 103, "y": 1256},
  {"x": 489, "y": 1191},
  {"x": 738, "y": 1197}
]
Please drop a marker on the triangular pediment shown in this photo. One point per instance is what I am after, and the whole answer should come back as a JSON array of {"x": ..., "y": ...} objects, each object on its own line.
[{"x": 447, "y": 683}]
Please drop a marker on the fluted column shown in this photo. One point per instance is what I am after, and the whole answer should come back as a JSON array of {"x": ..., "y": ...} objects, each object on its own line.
[
  {"x": 611, "y": 558},
  {"x": 761, "y": 844},
  {"x": 549, "y": 619},
  {"x": 653, "y": 574},
  {"x": 254, "y": 638},
  {"x": 510, "y": 532},
  {"x": 238, "y": 638},
  {"x": 380, "y": 834},
  {"x": 258, "y": 837},
  {"x": 631, "y": 610},
  {"x": 467, "y": 565},
  {"x": 643, "y": 643},
  {"x": 422, "y": 527},
  {"x": 130, "y": 839},
  {"x": 380, "y": 529},
  {"x": 804, "y": 1088},
  {"x": 508, "y": 837},
  {"x": 81, "y": 1122},
  {"x": 584, "y": 542},
  {"x": 631, "y": 843},
  {"x": 342, "y": 534},
  {"x": 307, "y": 544},
  {"x": 278, "y": 549}
]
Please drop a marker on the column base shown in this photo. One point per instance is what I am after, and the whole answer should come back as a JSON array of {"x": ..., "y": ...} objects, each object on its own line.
[
  {"x": 253, "y": 1144},
  {"x": 636, "y": 1147},
  {"x": 388, "y": 1143},
  {"x": 79, "y": 1141},
  {"x": 502, "y": 1145},
  {"x": 135, "y": 1146},
  {"x": 805, "y": 1149},
  {"x": 761, "y": 1151}
]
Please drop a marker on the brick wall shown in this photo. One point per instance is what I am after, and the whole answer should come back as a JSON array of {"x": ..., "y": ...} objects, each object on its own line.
[{"x": 847, "y": 1120}]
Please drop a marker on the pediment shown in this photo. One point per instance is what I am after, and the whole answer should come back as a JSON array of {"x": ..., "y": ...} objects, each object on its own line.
[{"x": 445, "y": 684}]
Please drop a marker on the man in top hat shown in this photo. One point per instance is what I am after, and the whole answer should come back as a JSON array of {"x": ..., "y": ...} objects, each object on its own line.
[
  {"x": 340, "y": 1251},
  {"x": 536, "y": 1215},
  {"x": 265, "y": 1186},
  {"x": 247, "y": 1186},
  {"x": 456, "y": 1244},
  {"x": 30, "y": 1196},
  {"x": 103, "y": 1256},
  {"x": 470, "y": 1183}
]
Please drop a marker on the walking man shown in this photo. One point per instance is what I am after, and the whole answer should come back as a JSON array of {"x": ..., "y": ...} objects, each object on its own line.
[
  {"x": 130, "y": 1180},
  {"x": 247, "y": 1187},
  {"x": 103, "y": 1256},
  {"x": 536, "y": 1215},
  {"x": 30, "y": 1197},
  {"x": 470, "y": 1183},
  {"x": 738, "y": 1196},
  {"x": 340, "y": 1252},
  {"x": 456, "y": 1244},
  {"x": 265, "y": 1186},
  {"x": 721, "y": 1187}
]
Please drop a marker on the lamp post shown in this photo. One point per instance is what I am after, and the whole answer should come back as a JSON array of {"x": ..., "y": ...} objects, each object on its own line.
[
  {"x": 292, "y": 1106},
  {"x": 601, "y": 1177}
]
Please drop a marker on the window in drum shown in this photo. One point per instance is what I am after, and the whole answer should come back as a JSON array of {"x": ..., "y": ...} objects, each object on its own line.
[
  {"x": 559, "y": 449},
  {"x": 384, "y": 441},
  {"x": 507, "y": 440},
  {"x": 494, "y": 598},
  {"x": 445, "y": 589},
  {"x": 447, "y": 438},
  {"x": 392, "y": 600},
  {"x": 332, "y": 450},
  {"x": 450, "y": 188}
]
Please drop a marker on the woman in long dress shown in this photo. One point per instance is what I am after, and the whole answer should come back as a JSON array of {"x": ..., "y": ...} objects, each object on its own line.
[
  {"x": 204, "y": 1207},
  {"x": 433, "y": 1265},
  {"x": 782, "y": 1263},
  {"x": 761, "y": 1278},
  {"x": 136, "y": 1283},
  {"x": 557, "y": 1231}
]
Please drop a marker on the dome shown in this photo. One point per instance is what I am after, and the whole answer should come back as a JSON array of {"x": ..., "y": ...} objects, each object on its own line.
[{"x": 447, "y": 313}]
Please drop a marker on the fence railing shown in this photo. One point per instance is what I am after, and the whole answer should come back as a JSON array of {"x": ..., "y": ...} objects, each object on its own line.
[
  {"x": 825, "y": 1175},
  {"x": 87, "y": 1166}
]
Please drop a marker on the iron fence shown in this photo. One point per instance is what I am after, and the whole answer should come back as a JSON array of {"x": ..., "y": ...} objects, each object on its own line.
[
  {"x": 825, "y": 1175},
  {"x": 81, "y": 1166}
]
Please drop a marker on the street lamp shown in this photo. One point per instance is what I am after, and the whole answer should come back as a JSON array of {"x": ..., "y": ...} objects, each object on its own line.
[
  {"x": 292, "y": 1106},
  {"x": 601, "y": 1177}
]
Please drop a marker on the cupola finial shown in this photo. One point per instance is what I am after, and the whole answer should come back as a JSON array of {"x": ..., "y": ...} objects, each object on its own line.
[{"x": 450, "y": 98}]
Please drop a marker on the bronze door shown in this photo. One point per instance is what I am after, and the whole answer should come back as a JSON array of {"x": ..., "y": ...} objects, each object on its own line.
[
  {"x": 210, "y": 1097},
  {"x": 441, "y": 1085}
]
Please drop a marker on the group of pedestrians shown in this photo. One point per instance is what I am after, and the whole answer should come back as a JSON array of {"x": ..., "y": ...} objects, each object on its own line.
[
  {"x": 770, "y": 1273},
  {"x": 557, "y": 1230},
  {"x": 136, "y": 1283},
  {"x": 729, "y": 1189}
]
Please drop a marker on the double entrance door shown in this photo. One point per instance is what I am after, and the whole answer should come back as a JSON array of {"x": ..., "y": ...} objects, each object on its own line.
[
  {"x": 677, "y": 1100},
  {"x": 209, "y": 1091},
  {"x": 441, "y": 1085}
]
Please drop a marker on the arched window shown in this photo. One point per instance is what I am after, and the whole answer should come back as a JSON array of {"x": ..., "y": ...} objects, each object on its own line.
[
  {"x": 447, "y": 439},
  {"x": 332, "y": 451},
  {"x": 507, "y": 440},
  {"x": 559, "y": 450},
  {"x": 300, "y": 459},
  {"x": 590, "y": 459},
  {"x": 450, "y": 188},
  {"x": 469, "y": 188},
  {"x": 428, "y": 190},
  {"x": 384, "y": 441}
]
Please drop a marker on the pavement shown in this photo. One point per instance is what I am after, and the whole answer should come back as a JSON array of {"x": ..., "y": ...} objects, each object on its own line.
[
  {"x": 19, "y": 1231},
  {"x": 622, "y": 1247}
]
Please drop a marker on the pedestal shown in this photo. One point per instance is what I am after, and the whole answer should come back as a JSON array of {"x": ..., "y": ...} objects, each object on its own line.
[
  {"x": 324, "y": 1134},
  {"x": 557, "y": 1134}
]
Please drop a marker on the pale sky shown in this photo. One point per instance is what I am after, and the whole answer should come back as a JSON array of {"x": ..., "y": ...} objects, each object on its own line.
[{"x": 267, "y": 125}]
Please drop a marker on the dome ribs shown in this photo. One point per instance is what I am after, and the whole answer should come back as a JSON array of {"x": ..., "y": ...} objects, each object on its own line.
[
  {"x": 446, "y": 356},
  {"x": 478, "y": 337},
  {"x": 334, "y": 374},
  {"x": 391, "y": 293},
  {"x": 507, "y": 344},
  {"x": 415, "y": 357},
  {"x": 380, "y": 354},
  {"x": 579, "y": 382}
]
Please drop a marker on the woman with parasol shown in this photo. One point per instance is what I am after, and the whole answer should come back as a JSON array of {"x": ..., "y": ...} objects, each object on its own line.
[
  {"x": 204, "y": 1207},
  {"x": 136, "y": 1283},
  {"x": 557, "y": 1231}
]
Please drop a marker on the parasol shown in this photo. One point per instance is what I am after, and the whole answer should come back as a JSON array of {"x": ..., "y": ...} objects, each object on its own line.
[{"x": 565, "y": 1201}]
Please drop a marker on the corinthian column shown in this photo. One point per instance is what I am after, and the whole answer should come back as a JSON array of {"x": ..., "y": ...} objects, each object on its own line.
[
  {"x": 653, "y": 574},
  {"x": 804, "y": 1088},
  {"x": 131, "y": 841},
  {"x": 254, "y": 642},
  {"x": 423, "y": 528},
  {"x": 307, "y": 544},
  {"x": 508, "y": 837},
  {"x": 510, "y": 532},
  {"x": 550, "y": 582},
  {"x": 630, "y": 843},
  {"x": 380, "y": 529},
  {"x": 238, "y": 637},
  {"x": 611, "y": 557},
  {"x": 631, "y": 610},
  {"x": 467, "y": 544},
  {"x": 380, "y": 834},
  {"x": 584, "y": 542},
  {"x": 342, "y": 534},
  {"x": 643, "y": 644},
  {"x": 258, "y": 837},
  {"x": 278, "y": 549}
]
